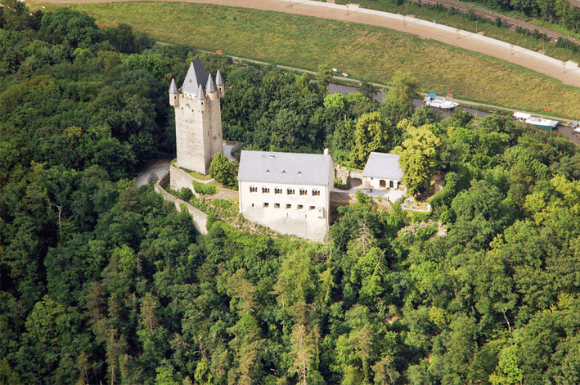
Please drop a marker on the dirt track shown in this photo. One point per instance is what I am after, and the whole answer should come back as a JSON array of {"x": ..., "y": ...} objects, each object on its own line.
[{"x": 415, "y": 28}]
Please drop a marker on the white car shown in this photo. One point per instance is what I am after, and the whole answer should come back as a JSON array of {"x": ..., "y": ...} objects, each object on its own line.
[{"x": 439, "y": 102}]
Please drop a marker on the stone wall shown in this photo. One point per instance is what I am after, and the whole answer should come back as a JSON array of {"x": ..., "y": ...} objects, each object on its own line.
[
  {"x": 180, "y": 179},
  {"x": 198, "y": 216},
  {"x": 343, "y": 173}
]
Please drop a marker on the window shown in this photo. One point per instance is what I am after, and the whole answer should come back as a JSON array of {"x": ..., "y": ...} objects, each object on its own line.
[
  {"x": 303, "y": 191},
  {"x": 252, "y": 205},
  {"x": 312, "y": 207},
  {"x": 300, "y": 207},
  {"x": 290, "y": 191},
  {"x": 253, "y": 189},
  {"x": 315, "y": 191},
  {"x": 266, "y": 204},
  {"x": 288, "y": 206},
  {"x": 265, "y": 190},
  {"x": 276, "y": 205},
  {"x": 277, "y": 190}
]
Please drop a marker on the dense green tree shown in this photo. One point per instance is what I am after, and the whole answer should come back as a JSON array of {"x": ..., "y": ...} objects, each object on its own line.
[
  {"x": 323, "y": 77},
  {"x": 223, "y": 171},
  {"x": 418, "y": 158},
  {"x": 370, "y": 135},
  {"x": 403, "y": 88}
]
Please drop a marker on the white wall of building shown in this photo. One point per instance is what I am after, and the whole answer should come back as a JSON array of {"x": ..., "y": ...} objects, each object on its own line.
[
  {"x": 375, "y": 183},
  {"x": 306, "y": 216}
]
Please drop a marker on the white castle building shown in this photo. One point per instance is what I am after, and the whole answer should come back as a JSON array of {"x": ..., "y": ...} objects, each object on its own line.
[
  {"x": 289, "y": 193},
  {"x": 198, "y": 119}
]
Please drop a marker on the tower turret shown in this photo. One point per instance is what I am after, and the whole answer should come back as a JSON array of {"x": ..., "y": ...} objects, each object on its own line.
[
  {"x": 211, "y": 88},
  {"x": 173, "y": 94},
  {"x": 219, "y": 81},
  {"x": 200, "y": 94}
]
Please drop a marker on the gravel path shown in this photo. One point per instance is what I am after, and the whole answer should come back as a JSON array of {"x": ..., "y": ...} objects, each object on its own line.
[{"x": 568, "y": 73}]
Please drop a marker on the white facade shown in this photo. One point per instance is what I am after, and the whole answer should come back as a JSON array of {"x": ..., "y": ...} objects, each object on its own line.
[
  {"x": 287, "y": 207},
  {"x": 384, "y": 183}
]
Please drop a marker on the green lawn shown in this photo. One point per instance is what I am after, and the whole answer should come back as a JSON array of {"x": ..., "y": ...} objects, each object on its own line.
[{"x": 365, "y": 52}]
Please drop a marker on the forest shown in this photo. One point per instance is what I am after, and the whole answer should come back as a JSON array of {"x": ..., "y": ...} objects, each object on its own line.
[{"x": 102, "y": 282}]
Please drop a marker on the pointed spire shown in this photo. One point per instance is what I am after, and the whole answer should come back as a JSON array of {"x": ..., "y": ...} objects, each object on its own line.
[
  {"x": 200, "y": 93},
  {"x": 196, "y": 76},
  {"x": 210, "y": 87},
  {"x": 218, "y": 79},
  {"x": 190, "y": 82},
  {"x": 172, "y": 87}
]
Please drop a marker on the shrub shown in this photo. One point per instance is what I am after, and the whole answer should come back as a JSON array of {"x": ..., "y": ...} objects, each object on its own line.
[
  {"x": 206, "y": 189},
  {"x": 185, "y": 194},
  {"x": 223, "y": 171}
]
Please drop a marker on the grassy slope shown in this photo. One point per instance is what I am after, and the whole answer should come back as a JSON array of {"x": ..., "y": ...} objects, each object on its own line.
[
  {"x": 460, "y": 21},
  {"x": 365, "y": 52}
]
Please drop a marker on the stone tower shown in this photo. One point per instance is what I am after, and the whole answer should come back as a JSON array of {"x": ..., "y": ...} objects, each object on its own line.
[{"x": 198, "y": 118}]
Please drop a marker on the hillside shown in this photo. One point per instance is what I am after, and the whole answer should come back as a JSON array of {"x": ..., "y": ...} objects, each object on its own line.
[
  {"x": 102, "y": 282},
  {"x": 353, "y": 48}
]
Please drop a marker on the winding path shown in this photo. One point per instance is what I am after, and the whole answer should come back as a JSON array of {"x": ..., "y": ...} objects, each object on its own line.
[{"x": 567, "y": 72}]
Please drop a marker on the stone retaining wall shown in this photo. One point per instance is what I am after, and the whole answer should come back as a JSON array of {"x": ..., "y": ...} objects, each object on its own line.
[
  {"x": 199, "y": 217},
  {"x": 180, "y": 179}
]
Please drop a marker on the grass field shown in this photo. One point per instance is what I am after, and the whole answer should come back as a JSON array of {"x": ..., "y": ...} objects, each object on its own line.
[
  {"x": 365, "y": 52},
  {"x": 460, "y": 21}
]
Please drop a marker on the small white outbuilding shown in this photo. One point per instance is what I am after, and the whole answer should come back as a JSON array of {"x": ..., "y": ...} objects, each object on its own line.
[{"x": 383, "y": 171}]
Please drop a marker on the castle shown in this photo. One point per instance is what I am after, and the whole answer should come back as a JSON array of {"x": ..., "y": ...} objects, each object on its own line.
[
  {"x": 287, "y": 192},
  {"x": 198, "y": 118}
]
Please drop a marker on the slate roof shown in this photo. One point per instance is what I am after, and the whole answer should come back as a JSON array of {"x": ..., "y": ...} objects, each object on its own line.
[
  {"x": 196, "y": 76},
  {"x": 218, "y": 79},
  {"x": 284, "y": 168},
  {"x": 383, "y": 166},
  {"x": 200, "y": 93},
  {"x": 172, "y": 87},
  {"x": 210, "y": 87}
]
